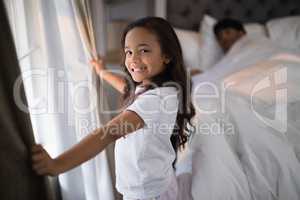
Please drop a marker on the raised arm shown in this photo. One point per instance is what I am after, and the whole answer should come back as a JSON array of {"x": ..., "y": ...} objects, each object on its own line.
[
  {"x": 113, "y": 79},
  {"x": 88, "y": 147}
]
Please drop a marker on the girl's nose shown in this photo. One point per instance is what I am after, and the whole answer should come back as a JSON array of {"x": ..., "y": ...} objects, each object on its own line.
[
  {"x": 135, "y": 57},
  {"x": 133, "y": 64}
]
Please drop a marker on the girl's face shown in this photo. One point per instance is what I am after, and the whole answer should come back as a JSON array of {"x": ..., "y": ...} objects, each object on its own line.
[{"x": 143, "y": 55}]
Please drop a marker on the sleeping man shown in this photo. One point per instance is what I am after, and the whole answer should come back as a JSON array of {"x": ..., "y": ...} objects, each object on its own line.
[{"x": 228, "y": 31}]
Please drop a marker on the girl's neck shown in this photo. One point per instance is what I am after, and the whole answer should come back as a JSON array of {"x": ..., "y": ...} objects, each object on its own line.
[
  {"x": 145, "y": 82},
  {"x": 158, "y": 80}
]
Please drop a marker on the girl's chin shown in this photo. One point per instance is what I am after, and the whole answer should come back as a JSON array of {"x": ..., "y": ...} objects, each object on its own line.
[{"x": 138, "y": 79}]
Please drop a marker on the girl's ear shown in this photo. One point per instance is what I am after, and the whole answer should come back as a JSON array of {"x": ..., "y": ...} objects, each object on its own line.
[{"x": 167, "y": 60}]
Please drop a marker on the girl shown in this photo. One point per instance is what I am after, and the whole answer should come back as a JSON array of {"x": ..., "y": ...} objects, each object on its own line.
[{"x": 150, "y": 130}]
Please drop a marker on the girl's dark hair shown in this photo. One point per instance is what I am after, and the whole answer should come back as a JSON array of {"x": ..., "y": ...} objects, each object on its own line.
[{"x": 175, "y": 74}]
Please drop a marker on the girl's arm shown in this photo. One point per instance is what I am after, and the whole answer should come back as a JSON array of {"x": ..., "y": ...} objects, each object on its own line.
[
  {"x": 88, "y": 147},
  {"x": 116, "y": 81}
]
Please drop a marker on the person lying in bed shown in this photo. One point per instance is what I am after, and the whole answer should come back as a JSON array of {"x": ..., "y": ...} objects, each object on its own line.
[{"x": 227, "y": 32}]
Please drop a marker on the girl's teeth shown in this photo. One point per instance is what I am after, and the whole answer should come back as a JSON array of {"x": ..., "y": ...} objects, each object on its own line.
[{"x": 138, "y": 69}]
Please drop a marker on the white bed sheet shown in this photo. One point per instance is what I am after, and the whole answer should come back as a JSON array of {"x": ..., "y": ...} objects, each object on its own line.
[{"x": 241, "y": 157}]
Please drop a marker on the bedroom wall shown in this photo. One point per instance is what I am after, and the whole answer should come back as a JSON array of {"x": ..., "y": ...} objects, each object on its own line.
[
  {"x": 188, "y": 14},
  {"x": 129, "y": 10}
]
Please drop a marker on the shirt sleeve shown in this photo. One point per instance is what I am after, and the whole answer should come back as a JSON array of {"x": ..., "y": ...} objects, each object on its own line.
[{"x": 147, "y": 106}]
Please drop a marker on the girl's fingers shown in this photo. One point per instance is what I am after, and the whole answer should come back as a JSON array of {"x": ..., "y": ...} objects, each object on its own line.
[
  {"x": 37, "y": 148},
  {"x": 41, "y": 170},
  {"x": 39, "y": 165},
  {"x": 38, "y": 157},
  {"x": 99, "y": 57},
  {"x": 40, "y": 160},
  {"x": 92, "y": 62}
]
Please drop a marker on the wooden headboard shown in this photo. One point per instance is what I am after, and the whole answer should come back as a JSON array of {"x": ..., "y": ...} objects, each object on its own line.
[{"x": 187, "y": 14}]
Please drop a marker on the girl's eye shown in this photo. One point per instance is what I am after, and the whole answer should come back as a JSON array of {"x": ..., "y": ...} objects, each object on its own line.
[
  {"x": 128, "y": 53},
  {"x": 145, "y": 51}
]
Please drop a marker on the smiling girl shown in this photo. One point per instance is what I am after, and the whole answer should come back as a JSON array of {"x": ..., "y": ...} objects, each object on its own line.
[{"x": 152, "y": 126}]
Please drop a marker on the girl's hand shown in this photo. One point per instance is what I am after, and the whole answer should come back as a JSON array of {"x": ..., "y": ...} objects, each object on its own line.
[
  {"x": 115, "y": 80},
  {"x": 195, "y": 72},
  {"x": 42, "y": 163},
  {"x": 98, "y": 64}
]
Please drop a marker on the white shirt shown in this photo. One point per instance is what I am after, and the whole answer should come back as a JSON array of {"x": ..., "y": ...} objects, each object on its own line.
[{"x": 144, "y": 158}]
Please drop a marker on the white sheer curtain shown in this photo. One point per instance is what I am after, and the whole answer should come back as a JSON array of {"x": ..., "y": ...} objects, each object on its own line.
[{"x": 62, "y": 92}]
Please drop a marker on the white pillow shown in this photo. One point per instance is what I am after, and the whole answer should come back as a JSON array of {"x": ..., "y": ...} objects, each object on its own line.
[
  {"x": 191, "y": 43},
  {"x": 256, "y": 30},
  {"x": 211, "y": 51},
  {"x": 285, "y": 31}
]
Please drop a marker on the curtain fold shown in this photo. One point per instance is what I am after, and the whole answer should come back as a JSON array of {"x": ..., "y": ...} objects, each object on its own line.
[
  {"x": 83, "y": 18},
  {"x": 64, "y": 92},
  {"x": 17, "y": 179}
]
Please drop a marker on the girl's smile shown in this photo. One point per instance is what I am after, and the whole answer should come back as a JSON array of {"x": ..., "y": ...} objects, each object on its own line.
[{"x": 138, "y": 69}]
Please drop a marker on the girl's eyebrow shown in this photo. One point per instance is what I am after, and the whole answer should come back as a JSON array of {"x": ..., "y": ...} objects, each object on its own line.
[
  {"x": 139, "y": 45},
  {"x": 143, "y": 45}
]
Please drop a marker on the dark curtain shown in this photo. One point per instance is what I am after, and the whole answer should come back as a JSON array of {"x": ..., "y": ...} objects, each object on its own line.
[{"x": 17, "y": 180}]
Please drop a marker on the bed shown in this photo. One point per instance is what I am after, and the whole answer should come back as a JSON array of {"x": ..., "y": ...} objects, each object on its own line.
[{"x": 247, "y": 139}]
